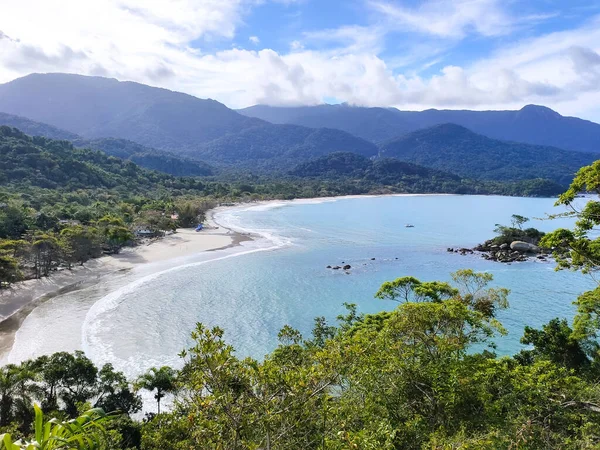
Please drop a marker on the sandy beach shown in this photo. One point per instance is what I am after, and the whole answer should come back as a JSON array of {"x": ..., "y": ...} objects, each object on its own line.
[{"x": 17, "y": 302}]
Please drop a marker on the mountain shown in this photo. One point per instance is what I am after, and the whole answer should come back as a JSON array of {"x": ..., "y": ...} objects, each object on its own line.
[
  {"x": 95, "y": 107},
  {"x": 148, "y": 157},
  {"x": 357, "y": 173},
  {"x": 372, "y": 124},
  {"x": 42, "y": 162},
  {"x": 532, "y": 124},
  {"x": 278, "y": 146},
  {"x": 342, "y": 164},
  {"x": 121, "y": 148},
  {"x": 33, "y": 128},
  {"x": 458, "y": 150}
]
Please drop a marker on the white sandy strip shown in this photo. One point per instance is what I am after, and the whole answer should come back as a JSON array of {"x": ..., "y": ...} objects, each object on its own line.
[{"x": 183, "y": 243}]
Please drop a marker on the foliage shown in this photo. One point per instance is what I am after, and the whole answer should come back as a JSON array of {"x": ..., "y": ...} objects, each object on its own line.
[
  {"x": 455, "y": 149},
  {"x": 83, "y": 433},
  {"x": 161, "y": 380}
]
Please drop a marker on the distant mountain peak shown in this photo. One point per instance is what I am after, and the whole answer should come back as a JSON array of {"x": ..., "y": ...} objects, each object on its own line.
[{"x": 539, "y": 110}]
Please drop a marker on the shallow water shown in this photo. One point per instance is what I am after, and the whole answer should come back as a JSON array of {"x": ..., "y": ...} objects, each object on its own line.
[{"x": 144, "y": 318}]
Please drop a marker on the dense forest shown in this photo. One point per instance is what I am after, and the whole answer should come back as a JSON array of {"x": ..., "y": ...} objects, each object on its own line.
[
  {"x": 424, "y": 375},
  {"x": 458, "y": 150}
]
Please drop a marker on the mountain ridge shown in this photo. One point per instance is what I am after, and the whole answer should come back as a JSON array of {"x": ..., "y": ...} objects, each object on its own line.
[{"x": 532, "y": 124}]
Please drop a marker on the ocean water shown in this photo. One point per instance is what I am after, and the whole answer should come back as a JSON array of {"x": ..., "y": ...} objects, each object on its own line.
[{"x": 144, "y": 318}]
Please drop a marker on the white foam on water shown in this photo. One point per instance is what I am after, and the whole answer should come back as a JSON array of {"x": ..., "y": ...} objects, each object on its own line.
[{"x": 102, "y": 352}]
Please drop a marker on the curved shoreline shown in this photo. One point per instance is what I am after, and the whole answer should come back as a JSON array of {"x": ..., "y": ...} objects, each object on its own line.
[
  {"x": 159, "y": 252},
  {"x": 23, "y": 298}
]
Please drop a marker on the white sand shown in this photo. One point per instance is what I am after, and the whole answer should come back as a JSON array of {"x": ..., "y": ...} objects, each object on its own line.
[
  {"x": 18, "y": 301},
  {"x": 185, "y": 242}
]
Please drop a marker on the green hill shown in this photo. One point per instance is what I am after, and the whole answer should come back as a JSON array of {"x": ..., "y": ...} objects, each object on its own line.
[
  {"x": 33, "y": 128},
  {"x": 400, "y": 176},
  {"x": 42, "y": 162},
  {"x": 280, "y": 146},
  {"x": 455, "y": 149},
  {"x": 532, "y": 124},
  {"x": 95, "y": 107},
  {"x": 148, "y": 157}
]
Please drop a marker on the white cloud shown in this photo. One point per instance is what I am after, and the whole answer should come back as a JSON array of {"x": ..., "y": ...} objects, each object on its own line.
[
  {"x": 149, "y": 42},
  {"x": 452, "y": 19},
  {"x": 254, "y": 39}
]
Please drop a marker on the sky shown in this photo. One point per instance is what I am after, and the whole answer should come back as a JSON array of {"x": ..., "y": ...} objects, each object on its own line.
[{"x": 410, "y": 54}]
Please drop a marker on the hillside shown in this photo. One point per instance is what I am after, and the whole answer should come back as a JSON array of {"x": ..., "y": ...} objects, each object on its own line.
[
  {"x": 532, "y": 124},
  {"x": 33, "y": 128},
  {"x": 147, "y": 157},
  {"x": 372, "y": 124},
  {"x": 455, "y": 149},
  {"x": 278, "y": 146},
  {"x": 101, "y": 107},
  {"x": 37, "y": 161},
  {"x": 407, "y": 177},
  {"x": 143, "y": 156}
]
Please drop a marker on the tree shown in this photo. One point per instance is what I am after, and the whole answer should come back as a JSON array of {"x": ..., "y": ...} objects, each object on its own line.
[
  {"x": 115, "y": 233},
  {"x": 555, "y": 342},
  {"x": 46, "y": 251},
  {"x": 80, "y": 243},
  {"x": 163, "y": 380},
  {"x": 9, "y": 270},
  {"x": 86, "y": 432},
  {"x": 518, "y": 221},
  {"x": 579, "y": 249}
]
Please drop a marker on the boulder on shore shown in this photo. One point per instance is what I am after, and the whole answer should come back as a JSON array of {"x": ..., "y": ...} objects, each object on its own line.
[
  {"x": 521, "y": 246},
  {"x": 347, "y": 267}
]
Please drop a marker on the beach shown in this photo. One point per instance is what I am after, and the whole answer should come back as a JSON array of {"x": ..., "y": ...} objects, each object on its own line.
[{"x": 22, "y": 298}]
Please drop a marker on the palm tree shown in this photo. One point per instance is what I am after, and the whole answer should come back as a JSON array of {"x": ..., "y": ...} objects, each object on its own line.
[{"x": 162, "y": 380}]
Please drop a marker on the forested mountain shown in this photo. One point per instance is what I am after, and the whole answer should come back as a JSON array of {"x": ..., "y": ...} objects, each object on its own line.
[
  {"x": 455, "y": 149},
  {"x": 345, "y": 168},
  {"x": 101, "y": 107},
  {"x": 372, "y": 124},
  {"x": 33, "y": 128},
  {"x": 149, "y": 158},
  {"x": 278, "y": 146},
  {"x": 37, "y": 161},
  {"x": 143, "y": 156},
  {"x": 532, "y": 124}
]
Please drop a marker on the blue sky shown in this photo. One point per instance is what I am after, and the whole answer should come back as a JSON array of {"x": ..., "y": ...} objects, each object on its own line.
[{"x": 412, "y": 54}]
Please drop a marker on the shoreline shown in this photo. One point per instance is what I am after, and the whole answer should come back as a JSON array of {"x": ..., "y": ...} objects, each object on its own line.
[
  {"x": 17, "y": 302},
  {"x": 25, "y": 297}
]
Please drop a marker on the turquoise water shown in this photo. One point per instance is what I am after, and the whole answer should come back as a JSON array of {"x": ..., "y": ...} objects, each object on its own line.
[
  {"x": 254, "y": 290},
  {"x": 253, "y": 295}
]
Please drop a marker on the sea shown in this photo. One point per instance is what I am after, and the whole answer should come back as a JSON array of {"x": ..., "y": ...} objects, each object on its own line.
[{"x": 144, "y": 317}]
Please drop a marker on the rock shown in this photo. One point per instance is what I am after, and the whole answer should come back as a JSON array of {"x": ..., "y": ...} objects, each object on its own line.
[
  {"x": 504, "y": 246},
  {"x": 494, "y": 247},
  {"x": 372, "y": 259},
  {"x": 336, "y": 267},
  {"x": 347, "y": 267},
  {"x": 347, "y": 273},
  {"x": 329, "y": 267},
  {"x": 521, "y": 246},
  {"x": 450, "y": 249}
]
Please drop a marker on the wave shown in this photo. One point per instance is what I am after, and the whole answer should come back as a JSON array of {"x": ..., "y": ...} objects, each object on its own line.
[{"x": 100, "y": 353}]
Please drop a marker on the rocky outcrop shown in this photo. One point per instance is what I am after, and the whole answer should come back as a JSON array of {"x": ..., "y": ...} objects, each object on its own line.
[
  {"x": 516, "y": 251},
  {"x": 525, "y": 247}
]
